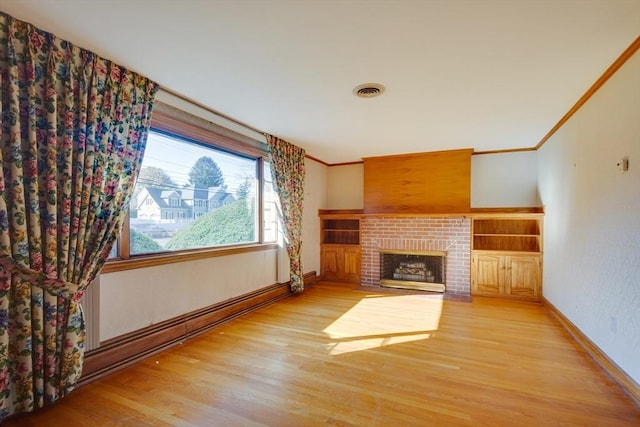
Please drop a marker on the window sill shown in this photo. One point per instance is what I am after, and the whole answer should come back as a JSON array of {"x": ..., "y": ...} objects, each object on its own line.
[{"x": 144, "y": 261}]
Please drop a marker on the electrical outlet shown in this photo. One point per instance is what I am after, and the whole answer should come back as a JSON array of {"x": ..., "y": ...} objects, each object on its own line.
[{"x": 623, "y": 164}]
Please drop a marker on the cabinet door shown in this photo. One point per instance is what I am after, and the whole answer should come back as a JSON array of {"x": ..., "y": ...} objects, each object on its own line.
[
  {"x": 523, "y": 276},
  {"x": 331, "y": 258},
  {"x": 487, "y": 274},
  {"x": 351, "y": 266}
]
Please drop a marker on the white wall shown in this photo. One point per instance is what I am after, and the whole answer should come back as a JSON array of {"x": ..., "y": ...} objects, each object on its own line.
[
  {"x": 504, "y": 180},
  {"x": 133, "y": 299},
  {"x": 345, "y": 187},
  {"x": 315, "y": 197},
  {"x": 497, "y": 180},
  {"x": 592, "y": 221}
]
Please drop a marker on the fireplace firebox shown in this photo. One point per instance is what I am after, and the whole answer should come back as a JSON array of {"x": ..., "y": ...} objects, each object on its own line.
[{"x": 413, "y": 270}]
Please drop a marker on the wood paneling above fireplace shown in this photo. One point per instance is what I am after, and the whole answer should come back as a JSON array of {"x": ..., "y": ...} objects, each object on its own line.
[{"x": 437, "y": 182}]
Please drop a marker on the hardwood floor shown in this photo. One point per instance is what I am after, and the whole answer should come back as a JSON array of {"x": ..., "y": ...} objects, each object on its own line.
[{"x": 337, "y": 355}]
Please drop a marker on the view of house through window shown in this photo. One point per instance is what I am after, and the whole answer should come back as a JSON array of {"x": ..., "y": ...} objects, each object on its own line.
[{"x": 191, "y": 196}]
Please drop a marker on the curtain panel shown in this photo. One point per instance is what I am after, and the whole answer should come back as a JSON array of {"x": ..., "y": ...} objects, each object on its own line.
[
  {"x": 288, "y": 173},
  {"x": 74, "y": 129}
]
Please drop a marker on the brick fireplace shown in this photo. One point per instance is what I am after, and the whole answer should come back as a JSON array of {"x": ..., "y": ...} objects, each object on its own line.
[{"x": 420, "y": 234}]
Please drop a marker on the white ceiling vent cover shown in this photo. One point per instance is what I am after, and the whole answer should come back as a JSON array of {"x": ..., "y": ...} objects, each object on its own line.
[{"x": 368, "y": 90}]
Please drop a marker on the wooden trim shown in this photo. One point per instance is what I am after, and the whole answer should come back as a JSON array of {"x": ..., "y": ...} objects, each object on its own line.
[
  {"x": 260, "y": 199},
  {"x": 474, "y": 212},
  {"x": 211, "y": 110},
  {"x": 339, "y": 212},
  {"x": 346, "y": 163},
  {"x": 127, "y": 349},
  {"x": 144, "y": 261},
  {"x": 425, "y": 153},
  {"x": 625, "y": 382},
  {"x": 419, "y": 215},
  {"x": 316, "y": 160},
  {"x": 532, "y": 209},
  {"x": 509, "y": 150},
  {"x": 124, "y": 238},
  {"x": 182, "y": 129},
  {"x": 624, "y": 57},
  {"x": 333, "y": 164}
]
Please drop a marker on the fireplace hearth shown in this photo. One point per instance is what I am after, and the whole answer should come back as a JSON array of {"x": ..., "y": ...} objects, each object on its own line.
[
  {"x": 448, "y": 235},
  {"x": 413, "y": 270}
]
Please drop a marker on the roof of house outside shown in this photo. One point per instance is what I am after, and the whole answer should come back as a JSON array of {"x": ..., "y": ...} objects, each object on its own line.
[
  {"x": 212, "y": 194},
  {"x": 159, "y": 195}
]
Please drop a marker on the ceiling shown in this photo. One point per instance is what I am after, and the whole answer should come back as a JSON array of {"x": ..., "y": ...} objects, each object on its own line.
[{"x": 488, "y": 75}]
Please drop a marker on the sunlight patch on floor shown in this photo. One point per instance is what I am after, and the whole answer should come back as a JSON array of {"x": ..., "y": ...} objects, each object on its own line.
[{"x": 378, "y": 321}]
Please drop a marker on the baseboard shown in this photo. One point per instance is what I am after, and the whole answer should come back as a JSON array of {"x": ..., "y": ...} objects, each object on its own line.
[
  {"x": 628, "y": 385},
  {"x": 122, "y": 351}
]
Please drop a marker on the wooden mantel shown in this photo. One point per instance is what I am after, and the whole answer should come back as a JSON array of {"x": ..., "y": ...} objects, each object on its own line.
[{"x": 512, "y": 211}]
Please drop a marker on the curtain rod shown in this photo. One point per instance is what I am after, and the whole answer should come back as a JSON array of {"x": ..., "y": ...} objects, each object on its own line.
[{"x": 212, "y": 111}]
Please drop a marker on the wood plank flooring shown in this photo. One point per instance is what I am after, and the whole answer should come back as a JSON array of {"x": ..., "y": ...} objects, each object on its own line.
[{"x": 337, "y": 355}]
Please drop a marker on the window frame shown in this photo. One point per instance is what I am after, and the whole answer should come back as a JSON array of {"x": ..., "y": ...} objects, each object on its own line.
[{"x": 203, "y": 133}]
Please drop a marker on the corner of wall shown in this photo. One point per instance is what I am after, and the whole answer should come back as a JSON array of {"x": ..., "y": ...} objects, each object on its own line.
[{"x": 591, "y": 226}]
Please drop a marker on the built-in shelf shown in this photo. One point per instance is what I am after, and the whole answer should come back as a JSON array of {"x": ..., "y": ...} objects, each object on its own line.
[
  {"x": 340, "y": 245},
  {"x": 341, "y": 231},
  {"x": 507, "y": 234}
]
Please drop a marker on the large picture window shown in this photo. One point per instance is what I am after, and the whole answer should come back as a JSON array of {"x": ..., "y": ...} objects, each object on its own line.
[
  {"x": 189, "y": 196},
  {"x": 197, "y": 190}
]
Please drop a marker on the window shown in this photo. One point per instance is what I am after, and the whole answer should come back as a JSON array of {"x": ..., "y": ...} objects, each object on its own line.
[
  {"x": 196, "y": 190},
  {"x": 270, "y": 211}
]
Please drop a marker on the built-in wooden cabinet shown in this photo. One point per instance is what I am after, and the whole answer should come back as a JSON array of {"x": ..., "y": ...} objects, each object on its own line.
[
  {"x": 340, "y": 263},
  {"x": 506, "y": 257},
  {"x": 340, "y": 245},
  {"x": 499, "y": 274}
]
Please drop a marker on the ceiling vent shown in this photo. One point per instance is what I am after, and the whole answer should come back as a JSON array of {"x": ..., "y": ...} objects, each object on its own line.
[{"x": 368, "y": 90}]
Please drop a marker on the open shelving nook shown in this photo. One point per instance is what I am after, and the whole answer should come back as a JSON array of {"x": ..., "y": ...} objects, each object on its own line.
[
  {"x": 519, "y": 234},
  {"x": 341, "y": 231}
]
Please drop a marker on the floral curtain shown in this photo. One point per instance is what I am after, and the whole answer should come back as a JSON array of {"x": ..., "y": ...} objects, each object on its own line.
[
  {"x": 74, "y": 129},
  {"x": 287, "y": 170}
]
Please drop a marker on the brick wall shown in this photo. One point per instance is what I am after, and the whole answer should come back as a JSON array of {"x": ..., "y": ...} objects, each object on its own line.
[{"x": 450, "y": 234}]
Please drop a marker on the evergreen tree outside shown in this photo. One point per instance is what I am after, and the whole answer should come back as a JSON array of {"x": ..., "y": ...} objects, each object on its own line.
[{"x": 205, "y": 173}]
